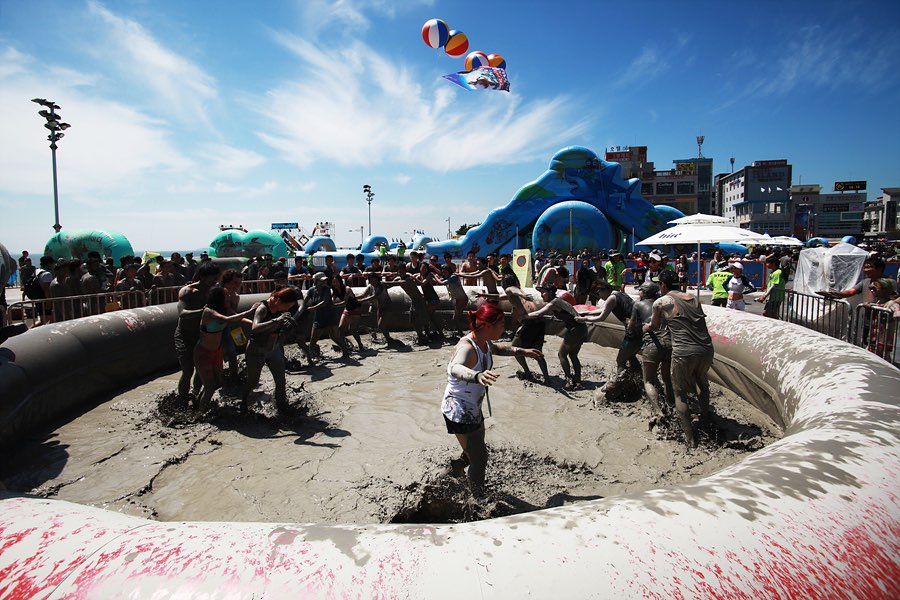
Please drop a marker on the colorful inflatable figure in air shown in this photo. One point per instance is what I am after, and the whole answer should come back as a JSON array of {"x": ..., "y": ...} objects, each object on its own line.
[
  {"x": 579, "y": 202},
  {"x": 482, "y": 71}
]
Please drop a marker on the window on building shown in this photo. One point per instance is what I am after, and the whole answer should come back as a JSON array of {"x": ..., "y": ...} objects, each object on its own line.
[
  {"x": 685, "y": 187},
  {"x": 665, "y": 187},
  {"x": 646, "y": 189}
]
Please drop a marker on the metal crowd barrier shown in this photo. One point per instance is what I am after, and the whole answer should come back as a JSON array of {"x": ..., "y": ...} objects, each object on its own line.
[
  {"x": 32, "y": 313},
  {"x": 875, "y": 329},
  {"x": 824, "y": 315}
]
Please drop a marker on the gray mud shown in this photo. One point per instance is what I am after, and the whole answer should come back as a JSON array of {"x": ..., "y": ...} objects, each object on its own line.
[{"x": 365, "y": 443}]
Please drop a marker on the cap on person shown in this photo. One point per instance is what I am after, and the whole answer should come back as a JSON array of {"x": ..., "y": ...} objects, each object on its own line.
[
  {"x": 546, "y": 288},
  {"x": 282, "y": 259},
  {"x": 614, "y": 253},
  {"x": 737, "y": 265},
  {"x": 655, "y": 256},
  {"x": 650, "y": 289},
  {"x": 320, "y": 276},
  {"x": 722, "y": 265}
]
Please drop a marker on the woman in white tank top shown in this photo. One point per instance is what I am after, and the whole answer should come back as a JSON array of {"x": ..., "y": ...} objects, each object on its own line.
[{"x": 469, "y": 374}]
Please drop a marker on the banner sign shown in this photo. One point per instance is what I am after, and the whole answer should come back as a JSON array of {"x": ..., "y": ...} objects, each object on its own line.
[
  {"x": 285, "y": 226},
  {"x": 849, "y": 186}
]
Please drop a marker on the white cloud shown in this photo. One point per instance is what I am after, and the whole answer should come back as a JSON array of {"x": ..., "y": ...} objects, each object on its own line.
[
  {"x": 179, "y": 86},
  {"x": 402, "y": 179},
  {"x": 820, "y": 58},
  {"x": 362, "y": 109},
  {"x": 646, "y": 66},
  {"x": 225, "y": 160}
]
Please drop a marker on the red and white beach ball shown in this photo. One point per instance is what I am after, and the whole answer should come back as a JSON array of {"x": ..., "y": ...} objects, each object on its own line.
[{"x": 435, "y": 32}]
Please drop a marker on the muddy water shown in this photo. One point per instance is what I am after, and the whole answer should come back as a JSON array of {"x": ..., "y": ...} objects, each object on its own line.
[{"x": 366, "y": 444}]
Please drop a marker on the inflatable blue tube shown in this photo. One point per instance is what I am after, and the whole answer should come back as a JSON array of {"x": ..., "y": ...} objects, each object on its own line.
[
  {"x": 372, "y": 242},
  {"x": 320, "y": 243},
  {"x": 77, "y": 244},
  {"x": 233, "y": 243}
]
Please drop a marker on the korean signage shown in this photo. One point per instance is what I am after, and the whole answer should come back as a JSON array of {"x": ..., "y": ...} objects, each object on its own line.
[
  {"x": 626, "y": 153},
  {"x": 285, "y": 226},
  {"x": 770, "y": 163},
  {"x": 849, "y": 186}
]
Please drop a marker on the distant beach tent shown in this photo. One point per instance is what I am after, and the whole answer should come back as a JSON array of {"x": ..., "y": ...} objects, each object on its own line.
[
  {"x": 77, "y": 244},
  {"x": 234, "y": 243}
]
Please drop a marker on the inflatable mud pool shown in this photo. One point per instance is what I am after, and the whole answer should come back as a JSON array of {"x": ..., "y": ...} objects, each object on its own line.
[{"x": 815, "y": 514}]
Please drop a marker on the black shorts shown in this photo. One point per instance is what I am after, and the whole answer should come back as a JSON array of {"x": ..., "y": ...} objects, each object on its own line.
[
  {"x": 719, "y": 301},
  {"x": 454, "y": 427},
  {"x": 531, "y": 334}
]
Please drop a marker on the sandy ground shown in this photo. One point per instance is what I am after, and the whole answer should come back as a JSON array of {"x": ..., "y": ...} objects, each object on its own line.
[{"x": 367, "y": 444}]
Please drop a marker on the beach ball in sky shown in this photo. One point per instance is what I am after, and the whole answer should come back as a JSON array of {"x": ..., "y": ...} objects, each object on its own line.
[
  {"x": 435, "y": 32},
  {"x": 497, "y": 61},
  {"x": 457, "y": 44},
  {"x": 476, "y": 59}
]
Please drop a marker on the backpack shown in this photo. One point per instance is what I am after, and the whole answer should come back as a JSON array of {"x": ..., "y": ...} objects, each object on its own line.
[{"x": 32, "y": 286}]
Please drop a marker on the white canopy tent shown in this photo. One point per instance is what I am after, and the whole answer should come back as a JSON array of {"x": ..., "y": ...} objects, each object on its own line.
[{"x": 703, "y": 229}]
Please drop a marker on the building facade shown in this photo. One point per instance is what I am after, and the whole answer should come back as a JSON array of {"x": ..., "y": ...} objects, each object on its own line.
[
  {"x": 758, "y": 197},
  {"x": 880, "y": 216},
  {"x": 687, "y": 186}
]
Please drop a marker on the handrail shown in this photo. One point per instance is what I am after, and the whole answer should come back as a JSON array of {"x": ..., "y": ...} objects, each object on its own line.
[
  {"x": 875, "y": 329},
  {"x": 830, "y": 316}
]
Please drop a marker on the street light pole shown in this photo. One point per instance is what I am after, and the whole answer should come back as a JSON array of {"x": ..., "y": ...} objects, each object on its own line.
[
  {"x": 367, "y": 191},
  {"x": 56, "y": 133}
]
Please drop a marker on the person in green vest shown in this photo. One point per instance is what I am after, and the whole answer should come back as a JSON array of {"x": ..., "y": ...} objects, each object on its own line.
[
  {"x": 774, "y": 295},
  {"x": 716, "y": 283},
  {"x": 615, "y": 271}
]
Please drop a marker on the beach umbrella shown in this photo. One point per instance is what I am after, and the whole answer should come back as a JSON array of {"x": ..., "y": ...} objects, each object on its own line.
[
  {"x": 705, "y": 229},
  {"x": 783, "y": 240},
  {"x": 699, "y": 218}
]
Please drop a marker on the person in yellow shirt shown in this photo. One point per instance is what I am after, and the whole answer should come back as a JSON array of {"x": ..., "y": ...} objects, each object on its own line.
[
  {"x": 615, "y": 271},
  {"x": 716, "y": 283}
]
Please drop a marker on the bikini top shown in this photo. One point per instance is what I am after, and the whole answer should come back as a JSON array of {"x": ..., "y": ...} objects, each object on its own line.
[{"x": 212, "y": 327}]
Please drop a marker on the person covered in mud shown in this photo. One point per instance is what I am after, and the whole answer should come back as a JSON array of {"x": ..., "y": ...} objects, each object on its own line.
[
  {"x": 620, "y": 304},
  {"x": 209, "y": 352},
  {"x": 427, "y": 277},
  {"x": 469, "y": 374},
  {"x": 269, "y": 319},
  {"x": 573, "y": 339},
  {"x": 531, "y": 332},
  {"x": 455, "y": 290},
  {"x": 418, "y": 311},
  {"x": 692, "y": 348},
  {"x": 381, "y": 300},
  {"x": 325, "y": 318},
  {"x": 191, "y": 303},
  {"x": 656, "y": 350}
]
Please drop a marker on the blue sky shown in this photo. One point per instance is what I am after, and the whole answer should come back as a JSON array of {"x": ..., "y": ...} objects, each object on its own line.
[{"x": 187, "y": 115}]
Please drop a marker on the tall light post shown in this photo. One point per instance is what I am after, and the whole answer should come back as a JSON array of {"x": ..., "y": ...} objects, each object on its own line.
[
  {"x": 449, "y": 235},
  {"x": 732, "y": 164},
  {"x": 369, "y": 194},
  {"x": 56, "y": 133},
  {"x": 360, "y": 229}
]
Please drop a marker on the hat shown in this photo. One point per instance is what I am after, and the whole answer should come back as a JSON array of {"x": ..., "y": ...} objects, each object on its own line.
[
  {"x": 650, "y": 288},
  {"x": 614, "y": 253},
  {"x": 319, "y": 276},
  {"x": 737, "y": 265},
  {"x": 282, "y": 259},
  {"x": 655, "y": 256},
  {"x": 722, "y": 265},
  {"x": 546, "y": 288}
]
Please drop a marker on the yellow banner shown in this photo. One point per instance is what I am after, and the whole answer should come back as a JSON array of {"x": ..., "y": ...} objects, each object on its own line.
[{"x": 521, "y": 264}]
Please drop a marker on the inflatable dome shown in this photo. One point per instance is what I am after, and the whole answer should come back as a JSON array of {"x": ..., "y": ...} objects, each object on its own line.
[
  {"x": 77, "y": 244},
  {"x": 234, "y": 243}
]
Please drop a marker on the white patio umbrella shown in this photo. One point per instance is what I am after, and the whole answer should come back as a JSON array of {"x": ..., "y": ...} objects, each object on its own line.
[
  {"x": 703, "y": 231},
  {"x": 699, "y": 218},
  {"x": 783, "y": 240}
]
